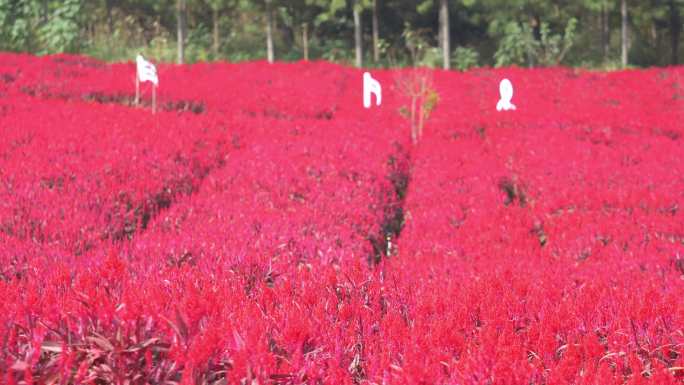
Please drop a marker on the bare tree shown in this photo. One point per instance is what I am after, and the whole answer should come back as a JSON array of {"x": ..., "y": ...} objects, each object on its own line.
[
  {"x": 376, "y": 33},
  {"x": 444, "y": 32},
  {"x": 269, "y": 31},
  {"x": 675, "y": 30},
  {"x": 605, "y": 32},
  {"x": 215, "y": 22},
  {"x": 181, "y": 27},
  {"x": 625, "y": 33},
  {"x": 305, "y": 40},
  {"x": 357, "y": 34},
  {"x": 109, "y": 6},
  {"x": 417, "y": 86}
]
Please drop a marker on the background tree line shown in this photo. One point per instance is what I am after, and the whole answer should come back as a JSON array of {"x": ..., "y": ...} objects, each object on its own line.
[{"x": 447, "y": 33}]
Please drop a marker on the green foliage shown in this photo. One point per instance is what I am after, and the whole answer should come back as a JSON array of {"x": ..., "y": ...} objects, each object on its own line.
[
  {"x": 198, "y": 44},
  {"x": 62, "y": 30},
  {"x": 515, "y": 45},
  {"x": 16, "y": 29},
  {"x": 425, "y": 6},
  {"x": 41, "y": 26},
  {"x": 336, "y": 51},
  {"x": 497, "y": 32},
  {"x": 431, "y": 102},
  {"x": 421, "y": 52},
  {"x": 465, "y": 58},
  {"x": 519, "y": 45},
  {"x": 552, "y": 48}
]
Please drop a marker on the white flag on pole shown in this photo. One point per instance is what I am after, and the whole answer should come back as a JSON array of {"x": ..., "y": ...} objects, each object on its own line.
[
  {"x": 506, "y": 91},
  {"x": 147, "y": 72},
  {"x": 371, "y": 86}
]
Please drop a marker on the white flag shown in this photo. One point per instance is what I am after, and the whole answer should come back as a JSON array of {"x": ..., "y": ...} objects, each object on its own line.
[
  {"x": 371, "y": 86},
  {"x": 506, "y": 91},
  {"x": 147, "y": 72}
]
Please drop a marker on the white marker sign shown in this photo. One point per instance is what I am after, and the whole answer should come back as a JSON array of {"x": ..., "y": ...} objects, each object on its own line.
[
  {"x": 506, "y": 91},
  {"x": 371, "y": 86},
  {"x": 146, "y": 72}
]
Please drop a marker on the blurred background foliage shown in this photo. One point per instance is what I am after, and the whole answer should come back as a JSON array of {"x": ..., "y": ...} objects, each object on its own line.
[{"x": 374, "y": 33}]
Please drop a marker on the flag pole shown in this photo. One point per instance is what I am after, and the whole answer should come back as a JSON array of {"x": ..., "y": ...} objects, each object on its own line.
[
  {"x": 154, "y": 99},
  {"x": 137, "y": 89}
]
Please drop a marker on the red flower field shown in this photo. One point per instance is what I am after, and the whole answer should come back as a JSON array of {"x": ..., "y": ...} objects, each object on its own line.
[{"x": 264, "y": 228}]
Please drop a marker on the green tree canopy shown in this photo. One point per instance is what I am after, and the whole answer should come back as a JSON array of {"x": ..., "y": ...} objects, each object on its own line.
[{"x": 481, "y": 32}]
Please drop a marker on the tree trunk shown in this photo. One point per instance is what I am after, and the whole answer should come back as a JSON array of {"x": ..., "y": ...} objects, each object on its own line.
[
  {"x": 444, "y": 21},
  {"x": 675, "y": 30},
  {"x": 625, "y": 34},
  {"x": 269, "y": 32},
  {"x": 376, "y": 33},
  {"x": 357, "y": 35},
  {"x": 605, "y": 34},
  {"x": 305, "y": 40},
  {"x": 215, "y": 22},
  {"x": 110, "y": 17},
  {"x": 180, "y": 22},
  {"x": 157, "y": 32},
  {"x": 45, "y": 10},
  {"x": 657, "y": 35}
]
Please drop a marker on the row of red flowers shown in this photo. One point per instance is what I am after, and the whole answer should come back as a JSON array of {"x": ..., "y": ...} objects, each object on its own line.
[{"x": 286, "y": 235}]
